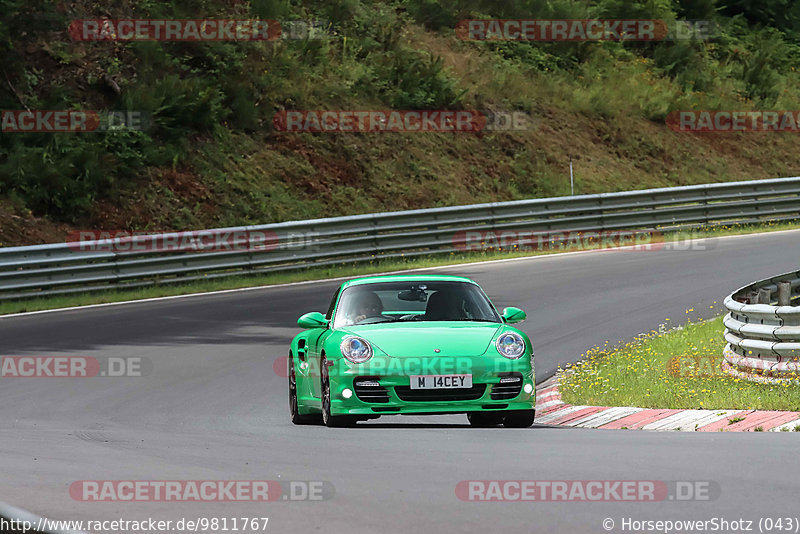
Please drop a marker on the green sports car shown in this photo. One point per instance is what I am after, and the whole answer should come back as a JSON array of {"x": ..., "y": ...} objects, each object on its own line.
[{"x": 411, "y": 344}]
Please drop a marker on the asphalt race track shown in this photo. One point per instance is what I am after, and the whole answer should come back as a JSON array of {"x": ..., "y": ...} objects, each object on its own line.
[{"x": 213, "y": 408}]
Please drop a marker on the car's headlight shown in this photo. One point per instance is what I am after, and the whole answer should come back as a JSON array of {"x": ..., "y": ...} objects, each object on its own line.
[
  {"x": 510, "y": 345},
  {"x": 356, "y": 349}
]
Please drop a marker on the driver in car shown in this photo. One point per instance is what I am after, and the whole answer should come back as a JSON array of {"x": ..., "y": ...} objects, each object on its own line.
[{"x": 366, "y": 305}]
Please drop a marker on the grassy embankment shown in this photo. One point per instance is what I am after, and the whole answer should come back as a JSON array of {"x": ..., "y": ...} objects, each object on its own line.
[{"x": 213, "y": 159}]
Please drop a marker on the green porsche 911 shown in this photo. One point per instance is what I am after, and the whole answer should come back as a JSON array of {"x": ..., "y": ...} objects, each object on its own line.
[{"x": 411, "y": 344}]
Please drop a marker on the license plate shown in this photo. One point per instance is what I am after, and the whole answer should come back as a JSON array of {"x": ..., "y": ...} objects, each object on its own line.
[{"x": 441, "y": 381}]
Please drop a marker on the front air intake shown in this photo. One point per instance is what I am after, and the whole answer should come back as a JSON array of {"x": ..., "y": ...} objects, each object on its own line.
[
  {"x": 369, "y": 389},
  {"x": 509, "y": 386}
]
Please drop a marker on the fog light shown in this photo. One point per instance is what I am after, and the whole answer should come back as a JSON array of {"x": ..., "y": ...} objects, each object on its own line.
[
  {"x": 347, "y": 393},
  {"x": 528, "y": 388}
]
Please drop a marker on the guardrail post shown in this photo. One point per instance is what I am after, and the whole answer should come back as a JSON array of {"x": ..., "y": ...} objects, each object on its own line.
[
  {"x": 373, "y": 234},
  {"x": 784, "y": 293},
  {"x": 764, "y": 296}
]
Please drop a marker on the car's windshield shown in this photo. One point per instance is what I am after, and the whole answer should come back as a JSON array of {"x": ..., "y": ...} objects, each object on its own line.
[{"x": 413, "y": 301}]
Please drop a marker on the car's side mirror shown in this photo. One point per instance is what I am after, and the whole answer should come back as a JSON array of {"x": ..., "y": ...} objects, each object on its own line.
[
  {"x": 513, "y": 315},
  {"x": 312, "y": 320}
]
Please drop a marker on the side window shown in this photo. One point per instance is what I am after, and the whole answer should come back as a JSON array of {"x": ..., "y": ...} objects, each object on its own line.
[{"x": 333, "y": 305}]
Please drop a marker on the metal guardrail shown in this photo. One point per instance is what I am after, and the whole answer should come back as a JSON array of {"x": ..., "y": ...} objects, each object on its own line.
[
  {"x": 762, "y": 330},
  {"x": 90, "y": 265}
]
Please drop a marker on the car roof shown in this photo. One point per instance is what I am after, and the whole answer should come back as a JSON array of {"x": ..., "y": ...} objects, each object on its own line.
[{"x": 407, "y": 278}]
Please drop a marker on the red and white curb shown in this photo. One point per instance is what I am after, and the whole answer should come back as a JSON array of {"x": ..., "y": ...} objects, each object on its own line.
[{"x": 550, "y": 410}]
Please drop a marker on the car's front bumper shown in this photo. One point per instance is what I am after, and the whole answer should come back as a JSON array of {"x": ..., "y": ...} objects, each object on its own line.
[{"x": 494, "y": 387}]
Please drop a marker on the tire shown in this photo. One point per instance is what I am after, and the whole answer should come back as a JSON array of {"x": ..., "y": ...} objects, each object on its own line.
[
  {"x": 519, "y": 418},
  {"x": 294, "y": 411},
  {"x": 329, "y": 420},
  {"x": 483, "y": 419}
]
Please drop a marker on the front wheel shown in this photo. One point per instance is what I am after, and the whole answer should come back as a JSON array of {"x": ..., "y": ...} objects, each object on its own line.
[
  {"x": 329, "y": 420},
  {"x": 294, "y": 411},
  {"x": 519, "y": 418}
]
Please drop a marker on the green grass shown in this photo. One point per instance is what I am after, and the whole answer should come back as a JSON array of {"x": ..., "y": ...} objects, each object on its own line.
[
  {"x": 335, "y": 271},
  {"x": 671, "y": 369}
]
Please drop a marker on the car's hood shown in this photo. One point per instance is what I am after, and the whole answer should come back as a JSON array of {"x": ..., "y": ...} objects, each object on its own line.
[{"x": 420, "y": 339}]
